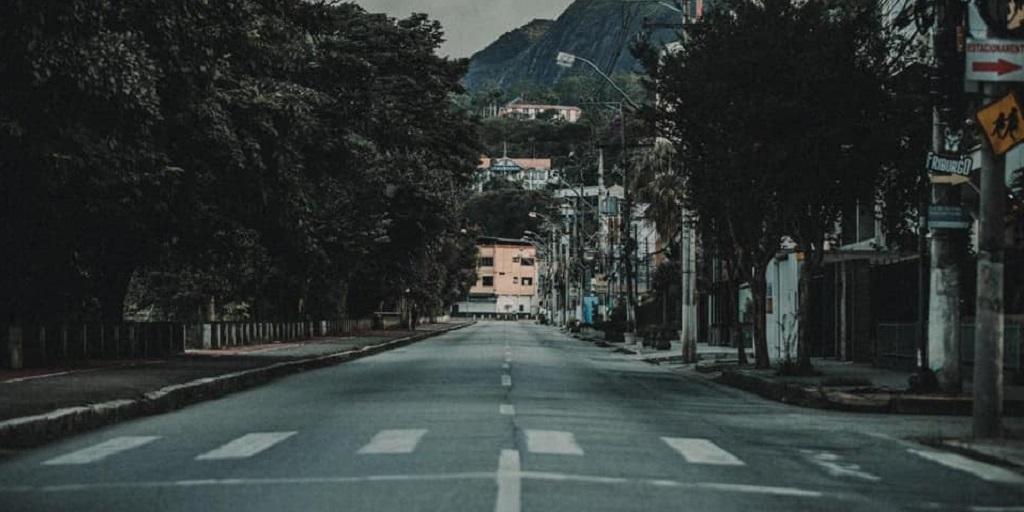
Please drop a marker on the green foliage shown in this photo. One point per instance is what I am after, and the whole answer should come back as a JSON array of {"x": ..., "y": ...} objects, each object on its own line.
[
  {"x": 505, "y": 213},
  {"x": 286, "y": 156},
  {"x": 782, "y": 113}
]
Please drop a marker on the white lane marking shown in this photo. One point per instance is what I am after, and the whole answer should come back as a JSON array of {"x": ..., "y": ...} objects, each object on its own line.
[
  {"x": 702, "y": 451},
  {"x": 506, "y": 380},
  {"x": 981, "y": 470},
  {"x": 552, "y": 442},
  {"x": 509, "y": 482},
  {"x": 394, "y": 441},
  {"x": 246, "y": 446},
  {"x": 997, "y": 509},
  {"x": 101, "y": 451},
  {"x": 537, "y": 476},
  {"x": 507, "y": 409},
  {"x": 836, "y": 467},
  {"x": 506, "y": 366}
]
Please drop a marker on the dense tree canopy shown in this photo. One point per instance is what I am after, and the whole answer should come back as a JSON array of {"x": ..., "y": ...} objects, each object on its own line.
[
  {"x": 781, "y": 114},
  {"x": 282, "y": 157}
]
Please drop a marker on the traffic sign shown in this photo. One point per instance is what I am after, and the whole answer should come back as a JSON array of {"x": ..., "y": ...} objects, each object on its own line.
[
  {"x": 948, "y": 217},
  {"x": 962, "y": 164},
  {"x": 1004, "y": 18},
  {"x": 994, "y": 60},
  {"x": 1002, "y": 123},
  {"x": 950, "y": 179}
]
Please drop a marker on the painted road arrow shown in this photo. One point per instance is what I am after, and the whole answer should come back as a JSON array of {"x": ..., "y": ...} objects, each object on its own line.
[{"x": 1000, "y": 67}]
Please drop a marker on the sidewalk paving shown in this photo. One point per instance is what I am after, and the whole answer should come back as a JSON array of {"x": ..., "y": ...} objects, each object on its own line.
[
  {"x": 42, "y": 404},
  {"x": 849, "y": 387}
]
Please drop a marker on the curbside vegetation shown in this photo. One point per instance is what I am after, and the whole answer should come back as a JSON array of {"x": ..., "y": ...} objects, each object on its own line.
[{"x": 31, "y": 431}]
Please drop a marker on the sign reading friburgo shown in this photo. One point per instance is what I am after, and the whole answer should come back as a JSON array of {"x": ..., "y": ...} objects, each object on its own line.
[{"x": 939, "y": 163}]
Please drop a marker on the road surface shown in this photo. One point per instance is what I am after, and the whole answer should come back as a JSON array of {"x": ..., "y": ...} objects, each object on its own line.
[{"x": 507, "y": 417}]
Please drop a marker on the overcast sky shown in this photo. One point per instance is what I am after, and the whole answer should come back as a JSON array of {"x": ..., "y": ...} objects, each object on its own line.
[{"x": 470, "y": 25}]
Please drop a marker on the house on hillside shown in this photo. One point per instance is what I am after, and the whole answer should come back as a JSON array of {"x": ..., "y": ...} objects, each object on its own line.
[
  {"x": 517, "y": 110},
  {"x": 529, "y": 173}
]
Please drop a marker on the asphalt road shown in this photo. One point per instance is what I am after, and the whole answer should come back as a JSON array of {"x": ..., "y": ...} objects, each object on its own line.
[{"x": 505, "y": 417}]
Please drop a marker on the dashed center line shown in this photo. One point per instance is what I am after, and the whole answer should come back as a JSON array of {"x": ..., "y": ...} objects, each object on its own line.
[
  {"x": 506, "y": 380},
  {"x": 507, "y": 409}
]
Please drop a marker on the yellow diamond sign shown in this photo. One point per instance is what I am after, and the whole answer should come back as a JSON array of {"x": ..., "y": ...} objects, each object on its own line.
[{"x": 1003, "y": 123}]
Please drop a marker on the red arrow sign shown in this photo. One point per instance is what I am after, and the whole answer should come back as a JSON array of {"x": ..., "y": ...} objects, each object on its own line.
[{"x": 1000, "y": 67}]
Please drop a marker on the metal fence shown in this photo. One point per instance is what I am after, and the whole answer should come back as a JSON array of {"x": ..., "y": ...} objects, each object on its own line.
[
  {"x": 39, "y": 345},
  {"x": 896, "y": 346}
]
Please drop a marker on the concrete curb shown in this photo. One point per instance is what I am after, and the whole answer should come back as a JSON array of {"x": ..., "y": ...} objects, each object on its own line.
[
  {"x": 879, "y": 403},
  {"x": 36, "y": 430}
]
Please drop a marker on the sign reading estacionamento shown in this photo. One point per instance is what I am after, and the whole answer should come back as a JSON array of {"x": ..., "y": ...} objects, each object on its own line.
[{"x": 994, "y": 60}]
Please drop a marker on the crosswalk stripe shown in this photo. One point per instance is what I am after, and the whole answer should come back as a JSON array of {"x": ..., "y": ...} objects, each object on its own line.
[
  {"x": 552, "y": 442},
  {"x": 981, "y": 470},
  {"x": 702, "y": 451},
  {"x": 101, "y": 451},
  {"x": 246, "y": 446},
  {"x": 394, "y": 441}
]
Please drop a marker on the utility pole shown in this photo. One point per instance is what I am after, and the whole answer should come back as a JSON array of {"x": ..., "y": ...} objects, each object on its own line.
[
  {"x": 939, "y": 354},
  {"x": 627, "y": 221},
  {"x": 988, "y": 329}
]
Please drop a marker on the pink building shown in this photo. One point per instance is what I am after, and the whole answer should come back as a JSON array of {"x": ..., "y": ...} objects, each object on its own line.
[{"x": 506, "y": 280}]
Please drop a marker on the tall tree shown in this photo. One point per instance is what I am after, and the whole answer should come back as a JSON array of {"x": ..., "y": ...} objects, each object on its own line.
[{"x": 774, "y": 107}]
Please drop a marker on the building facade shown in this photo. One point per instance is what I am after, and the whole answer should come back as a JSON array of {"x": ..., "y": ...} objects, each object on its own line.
[
  {"x": 530, "y": 173},
  {"x": 506, "y": 285},
  {"x": 530, "y": 111}
]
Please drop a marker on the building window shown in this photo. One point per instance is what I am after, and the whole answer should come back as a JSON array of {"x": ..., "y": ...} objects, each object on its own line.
[
  {"x": 515, "y": 280},
  {"x": 527, "y": 281},
  {"x": 526, "y": 262},
  {"x": 488, "y": 280},
  {"x": 487, "y": 262}
]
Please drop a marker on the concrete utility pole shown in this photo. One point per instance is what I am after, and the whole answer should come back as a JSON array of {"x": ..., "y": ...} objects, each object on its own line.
[
  {"x": 940, "y": 355},
  {"x": 988, "y": 329},
  {"x": 688, "y": 317}
]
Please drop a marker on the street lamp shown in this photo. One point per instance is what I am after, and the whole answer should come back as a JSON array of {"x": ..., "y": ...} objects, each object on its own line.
[{"x": 567, "y": 60}]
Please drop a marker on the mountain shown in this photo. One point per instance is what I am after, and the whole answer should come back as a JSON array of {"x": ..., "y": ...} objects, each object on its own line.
[{"x": 597, "y": 30}]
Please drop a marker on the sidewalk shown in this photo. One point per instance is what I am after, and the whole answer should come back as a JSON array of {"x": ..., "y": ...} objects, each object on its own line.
[
  {"x": 40, "y": 405},
  {"x": 850, "y": 387}
]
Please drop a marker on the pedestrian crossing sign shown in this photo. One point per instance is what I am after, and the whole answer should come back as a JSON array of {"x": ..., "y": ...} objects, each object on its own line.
[{"x": 1002, "y": 123}]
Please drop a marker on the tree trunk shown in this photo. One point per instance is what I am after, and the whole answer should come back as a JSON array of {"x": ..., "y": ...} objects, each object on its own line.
[
  {"x": 113, "y": 287},
  {"x": 758, "y": 288},
  {"x": 812, "y": 261},
  {"x": 737, "y": 329}
]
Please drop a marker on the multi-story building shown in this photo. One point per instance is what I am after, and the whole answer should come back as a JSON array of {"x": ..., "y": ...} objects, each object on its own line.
[
  {"x": 530, "y": 111},
  {"x": 506, "y": 285}
]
